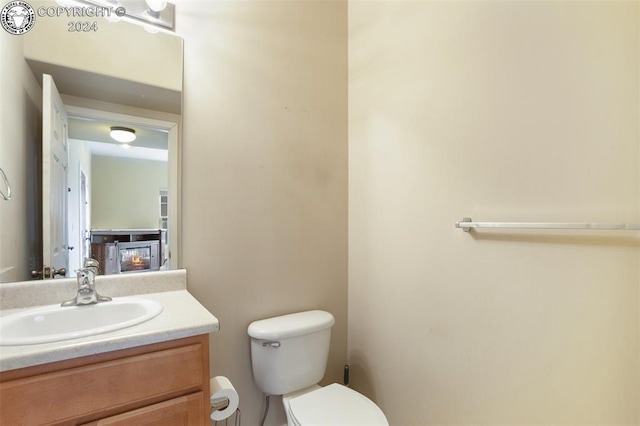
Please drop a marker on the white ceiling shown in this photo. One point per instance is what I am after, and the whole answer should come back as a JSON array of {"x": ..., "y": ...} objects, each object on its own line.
[
  {"x": 150, "y": 143},
  {"x": 141, "y": 153},
  {"x": 98, "y": 131}
]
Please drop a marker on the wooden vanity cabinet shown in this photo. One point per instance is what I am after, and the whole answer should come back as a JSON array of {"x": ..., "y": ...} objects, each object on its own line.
[{"x": 160, "y": 384}]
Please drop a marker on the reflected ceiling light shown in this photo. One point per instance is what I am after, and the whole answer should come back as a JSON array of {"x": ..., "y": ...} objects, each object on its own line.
[{"x": 123, "y": 134}]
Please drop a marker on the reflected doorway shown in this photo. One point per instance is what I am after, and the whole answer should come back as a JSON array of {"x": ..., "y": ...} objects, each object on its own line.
[{"x": 117, "y": 187}]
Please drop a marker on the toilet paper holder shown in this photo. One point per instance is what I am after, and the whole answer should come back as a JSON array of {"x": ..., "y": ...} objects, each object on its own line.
[
  {"x": 223, "y": 401},
  {"x": 219, "y": 404}
]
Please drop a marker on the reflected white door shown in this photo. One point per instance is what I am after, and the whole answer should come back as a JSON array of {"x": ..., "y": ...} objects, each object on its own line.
[
  {"x": 54, "y": 178},
  {"x": 84, "y": 223}
]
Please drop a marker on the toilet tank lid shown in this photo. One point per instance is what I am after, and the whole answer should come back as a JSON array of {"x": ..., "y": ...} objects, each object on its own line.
[{"x": 290, "y": 325}]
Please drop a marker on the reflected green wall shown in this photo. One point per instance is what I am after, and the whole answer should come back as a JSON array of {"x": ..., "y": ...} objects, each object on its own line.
[{"x": 124, "y": 193}]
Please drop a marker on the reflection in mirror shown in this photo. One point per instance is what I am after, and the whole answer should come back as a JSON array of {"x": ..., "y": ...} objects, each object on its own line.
[
  {"x": 121, "y": 191},
  {"x": 137, "y": 85}
]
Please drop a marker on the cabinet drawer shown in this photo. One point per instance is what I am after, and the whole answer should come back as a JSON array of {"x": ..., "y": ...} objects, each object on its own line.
[
  {"x": 182, "y": 411},
  {"x": 108, "y": 387}
]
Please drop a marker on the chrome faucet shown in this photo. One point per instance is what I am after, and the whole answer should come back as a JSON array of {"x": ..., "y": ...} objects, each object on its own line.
[{"x": 87, "y": 293}]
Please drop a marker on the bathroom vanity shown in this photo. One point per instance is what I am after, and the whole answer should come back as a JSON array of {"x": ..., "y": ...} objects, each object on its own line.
[{"x": 156, "y": 372}]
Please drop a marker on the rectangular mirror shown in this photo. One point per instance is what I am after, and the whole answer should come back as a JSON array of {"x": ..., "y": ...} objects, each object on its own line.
[{"x": 121, "y": 203}]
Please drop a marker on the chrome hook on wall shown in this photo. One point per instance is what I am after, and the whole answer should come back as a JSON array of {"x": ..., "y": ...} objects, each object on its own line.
[{"x": 6, "y": 196}]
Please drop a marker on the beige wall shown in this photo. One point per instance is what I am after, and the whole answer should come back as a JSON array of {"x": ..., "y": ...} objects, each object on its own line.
[
  {"x": 264, "y": 172},
  {"x": 20, "y": 250},
  {"x": 502, "y": 111},
  {"x": 125, "y": 192}
]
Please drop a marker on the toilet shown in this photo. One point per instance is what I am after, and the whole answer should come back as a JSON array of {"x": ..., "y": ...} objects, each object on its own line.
[{"x": 289, "y": 357}]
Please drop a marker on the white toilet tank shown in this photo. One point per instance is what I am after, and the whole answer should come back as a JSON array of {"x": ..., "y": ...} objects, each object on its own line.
[{"x": 289, "y": 352}]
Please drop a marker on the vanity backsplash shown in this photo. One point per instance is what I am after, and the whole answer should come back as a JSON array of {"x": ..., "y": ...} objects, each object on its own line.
[{"x": 44, "y": 292}]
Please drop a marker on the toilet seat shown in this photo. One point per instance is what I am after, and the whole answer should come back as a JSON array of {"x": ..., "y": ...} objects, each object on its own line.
[{"x": 334, "y": 404}]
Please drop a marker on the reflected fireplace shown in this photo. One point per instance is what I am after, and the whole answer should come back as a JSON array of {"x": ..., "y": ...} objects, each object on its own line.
[
  {"x": 137, "y": 257},
  {"x": 128, "y": 251}
]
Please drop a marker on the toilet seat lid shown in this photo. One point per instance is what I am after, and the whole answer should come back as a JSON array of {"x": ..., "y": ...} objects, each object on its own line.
[{"x": 336, "y": 405}]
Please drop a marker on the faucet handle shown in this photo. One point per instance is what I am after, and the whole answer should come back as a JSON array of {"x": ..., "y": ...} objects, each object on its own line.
[{"x": 90, "y": 263}]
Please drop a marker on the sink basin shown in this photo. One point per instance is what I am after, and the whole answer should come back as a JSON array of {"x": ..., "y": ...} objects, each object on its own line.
[{"x": 53, "y": 323}]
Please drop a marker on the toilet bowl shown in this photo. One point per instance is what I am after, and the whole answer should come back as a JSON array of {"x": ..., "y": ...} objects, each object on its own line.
[
  {"x": 334, "y": 405},
  {"x": 289, "y": 356}
]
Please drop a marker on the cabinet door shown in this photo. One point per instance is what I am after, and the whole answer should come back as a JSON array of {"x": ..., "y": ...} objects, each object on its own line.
[{"x": 183, "y": 411}]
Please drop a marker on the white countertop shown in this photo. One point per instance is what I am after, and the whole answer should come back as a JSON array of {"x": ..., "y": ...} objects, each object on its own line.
[{"x": 182, "y": 316}]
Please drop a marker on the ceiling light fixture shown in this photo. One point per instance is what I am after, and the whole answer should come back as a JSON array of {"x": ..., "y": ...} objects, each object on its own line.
[
  {"x": 123, "y": 134},
  {"x": 155, "y": 7}
]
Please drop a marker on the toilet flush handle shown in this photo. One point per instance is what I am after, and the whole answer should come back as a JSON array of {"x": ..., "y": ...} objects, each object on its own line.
[{"x": 274, "y": 344}]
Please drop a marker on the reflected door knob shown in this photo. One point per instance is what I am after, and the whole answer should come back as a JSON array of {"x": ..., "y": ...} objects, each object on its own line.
[{"x": 48, "y": 273}]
